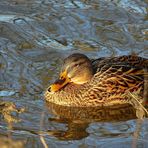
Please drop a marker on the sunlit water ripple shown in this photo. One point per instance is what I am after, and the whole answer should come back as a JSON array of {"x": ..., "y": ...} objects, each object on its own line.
[{"x": 34, "y": 38}]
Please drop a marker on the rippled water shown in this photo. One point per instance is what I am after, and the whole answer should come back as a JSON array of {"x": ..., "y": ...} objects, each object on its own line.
[{"x": 35, "y": 36}]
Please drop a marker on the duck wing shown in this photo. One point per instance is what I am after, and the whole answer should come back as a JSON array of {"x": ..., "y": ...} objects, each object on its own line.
[
  {"x": 116, "y": 76},
  {"x": 132, "y": 61}
]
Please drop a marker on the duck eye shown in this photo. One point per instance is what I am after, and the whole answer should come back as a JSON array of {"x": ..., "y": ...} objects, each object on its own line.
[{"x": 77, "y": 65}]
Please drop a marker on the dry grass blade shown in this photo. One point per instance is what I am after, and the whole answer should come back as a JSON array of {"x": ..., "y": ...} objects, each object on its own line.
[
  {"x": 41, "y": 137},
  {"x": 141, "y": 110},
  {"x": 43, "y": 141},
  {"x": 146, "y": 86}
]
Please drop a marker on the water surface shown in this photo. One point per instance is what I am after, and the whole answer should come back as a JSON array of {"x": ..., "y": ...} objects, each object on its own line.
[{"x": 35, "y": 36}]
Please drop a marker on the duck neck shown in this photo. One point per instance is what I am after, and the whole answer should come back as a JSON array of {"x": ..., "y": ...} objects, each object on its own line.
[{"x": 71, "y": 95}]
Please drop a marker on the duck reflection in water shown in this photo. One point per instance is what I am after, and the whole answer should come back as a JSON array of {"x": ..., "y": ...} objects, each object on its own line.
[{"x": 78, "y": 119}]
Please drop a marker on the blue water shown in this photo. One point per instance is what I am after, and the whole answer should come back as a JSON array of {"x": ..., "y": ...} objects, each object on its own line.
[{"x": 35, "y": 36}]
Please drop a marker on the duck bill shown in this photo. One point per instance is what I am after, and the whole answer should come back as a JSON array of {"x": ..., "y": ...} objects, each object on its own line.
[{"x": 60, "y": 83}]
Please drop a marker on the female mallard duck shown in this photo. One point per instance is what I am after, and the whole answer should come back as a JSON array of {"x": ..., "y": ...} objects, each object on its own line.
[{"x": 100, "y": 82}]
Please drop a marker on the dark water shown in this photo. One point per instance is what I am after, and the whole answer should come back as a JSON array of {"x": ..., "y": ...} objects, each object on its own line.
[{"x": 35, "y": 36}]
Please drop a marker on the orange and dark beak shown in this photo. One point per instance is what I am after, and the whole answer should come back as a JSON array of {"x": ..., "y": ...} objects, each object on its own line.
[{"x": 60, "y": 83}]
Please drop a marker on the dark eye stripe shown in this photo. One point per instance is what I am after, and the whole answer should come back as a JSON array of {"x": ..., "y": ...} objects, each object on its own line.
[
  {"x": 75, "y": 60},
  {"x": 75, "y": 65}
]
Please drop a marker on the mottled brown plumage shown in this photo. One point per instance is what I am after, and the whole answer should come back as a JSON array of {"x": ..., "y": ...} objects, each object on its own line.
[{"x": 100, "y": 82}]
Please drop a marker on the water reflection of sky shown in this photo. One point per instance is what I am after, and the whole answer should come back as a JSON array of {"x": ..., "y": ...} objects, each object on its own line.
[{"x": 35, "y": 36}]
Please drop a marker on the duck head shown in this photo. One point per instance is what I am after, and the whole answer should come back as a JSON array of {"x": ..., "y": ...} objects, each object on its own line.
[{"x": 77, "y": 69}]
